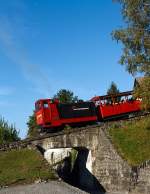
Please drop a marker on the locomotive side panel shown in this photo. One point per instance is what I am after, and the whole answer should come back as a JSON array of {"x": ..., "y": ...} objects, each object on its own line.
[
  {"x": 76, "y": 110},
  {"x": 54, "y": 114}
]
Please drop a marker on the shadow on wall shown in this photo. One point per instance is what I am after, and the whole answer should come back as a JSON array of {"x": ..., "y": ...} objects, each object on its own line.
[{"x": 80, "y": 176}]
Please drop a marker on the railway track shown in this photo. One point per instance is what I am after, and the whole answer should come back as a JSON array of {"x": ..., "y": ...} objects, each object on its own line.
[{"x": 28, "y": 141}]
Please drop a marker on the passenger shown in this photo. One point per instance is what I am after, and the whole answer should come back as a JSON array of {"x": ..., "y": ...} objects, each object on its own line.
[
  {"x": 130, "y": 99},
  {"x": 122, "y": 101}
]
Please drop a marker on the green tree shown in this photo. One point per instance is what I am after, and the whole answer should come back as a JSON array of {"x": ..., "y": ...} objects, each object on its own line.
[
  {"x": 136, "y": 41},
  {"x": 135, "y": 36},
  {"x": 66, "y": 96},
  {"x": 8, "y": 133},
  {"x": 32, "y": 126},
  {"x": 112, "y": 90}
]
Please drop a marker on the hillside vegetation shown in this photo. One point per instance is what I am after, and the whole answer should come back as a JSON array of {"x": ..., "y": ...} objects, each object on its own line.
[
  {"x": 132, "y": 140},
  {"x": 23, "y": 166},
  {"x": 8, "y": 133}
]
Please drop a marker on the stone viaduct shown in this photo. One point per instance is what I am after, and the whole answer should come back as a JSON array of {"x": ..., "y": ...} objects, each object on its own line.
[{"x": 109, "y": 172}]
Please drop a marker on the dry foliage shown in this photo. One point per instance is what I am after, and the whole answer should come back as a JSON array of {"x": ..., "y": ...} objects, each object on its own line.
[{"x": 143, "y": 91}]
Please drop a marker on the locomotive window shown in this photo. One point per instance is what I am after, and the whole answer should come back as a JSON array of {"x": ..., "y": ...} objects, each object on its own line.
[
  {"x": 45, "y": 105},
  {"x": 38, "y": 106}
]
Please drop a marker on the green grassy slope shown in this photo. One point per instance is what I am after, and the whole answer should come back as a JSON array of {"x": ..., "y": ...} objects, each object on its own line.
[
  {"x": 23, "y": 166},
  {"x": 132, "y": 140}
]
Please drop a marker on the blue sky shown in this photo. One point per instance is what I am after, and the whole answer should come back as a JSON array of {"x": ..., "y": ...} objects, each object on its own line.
[{"x": 47, "y": 45}]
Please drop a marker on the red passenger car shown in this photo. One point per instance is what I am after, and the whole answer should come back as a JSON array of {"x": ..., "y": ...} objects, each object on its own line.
[
  {"x": 113, "y": 106},
  {"x": 50, "y": 113}
]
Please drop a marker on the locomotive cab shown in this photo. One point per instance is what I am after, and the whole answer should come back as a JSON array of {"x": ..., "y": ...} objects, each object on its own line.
[
  {"x": 46, "y": 113},
  {"x": 42, "y": 112}
]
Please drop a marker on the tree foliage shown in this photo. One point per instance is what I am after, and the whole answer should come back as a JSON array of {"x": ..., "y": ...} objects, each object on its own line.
[
  {"x": 8, "y": 133},
  {"x": 32, "y": 126},
  {"x": 65, "y": 96},
  {"x": 136, "y": 41},
  {"x": 143, "y": 91},
  {"x": 135, "y": 36},
  {"x": 113, "y": 90}
]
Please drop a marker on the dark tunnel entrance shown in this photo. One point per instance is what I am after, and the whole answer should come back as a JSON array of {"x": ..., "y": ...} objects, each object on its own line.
[{"x": 78, "y": 175}]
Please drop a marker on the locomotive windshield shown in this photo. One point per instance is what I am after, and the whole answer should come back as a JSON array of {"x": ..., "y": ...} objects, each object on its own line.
[
  {"x": 38, "y": 106},
  {"x": 41, "y": 104}
]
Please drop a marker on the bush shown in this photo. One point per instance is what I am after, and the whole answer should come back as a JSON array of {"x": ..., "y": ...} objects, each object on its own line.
[
  {"x": 8, "y": 133},
  {"x": 32, "y": 126}
]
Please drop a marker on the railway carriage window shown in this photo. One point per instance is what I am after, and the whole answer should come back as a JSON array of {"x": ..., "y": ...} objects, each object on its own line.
[
  {"x": 122, "y": 99},
  {"x": 108, "y": 103},
  {"x": 97, "y": 103},
  {"x": 130, "y": 99}
]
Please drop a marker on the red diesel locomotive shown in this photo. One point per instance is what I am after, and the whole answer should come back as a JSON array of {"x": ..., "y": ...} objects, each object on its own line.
[{"x": 52, "y": 114}]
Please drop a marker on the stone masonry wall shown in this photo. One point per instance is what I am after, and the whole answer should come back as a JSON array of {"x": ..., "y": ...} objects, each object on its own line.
[
  {"x": 112, "y": 172},
  {"x": 109, "y": 168}
]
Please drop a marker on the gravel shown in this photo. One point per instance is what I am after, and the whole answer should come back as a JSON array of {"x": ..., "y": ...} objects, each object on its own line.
[{"x": 53, "y": 187}]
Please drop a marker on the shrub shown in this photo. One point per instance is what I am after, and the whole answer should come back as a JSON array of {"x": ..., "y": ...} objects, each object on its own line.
[{"x": 8, "y": 133}]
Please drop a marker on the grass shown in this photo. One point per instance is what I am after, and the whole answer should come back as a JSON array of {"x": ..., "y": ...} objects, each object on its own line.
[
  {"x": 23, "y": 166},
  {"x": 132, "y": 140}
]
